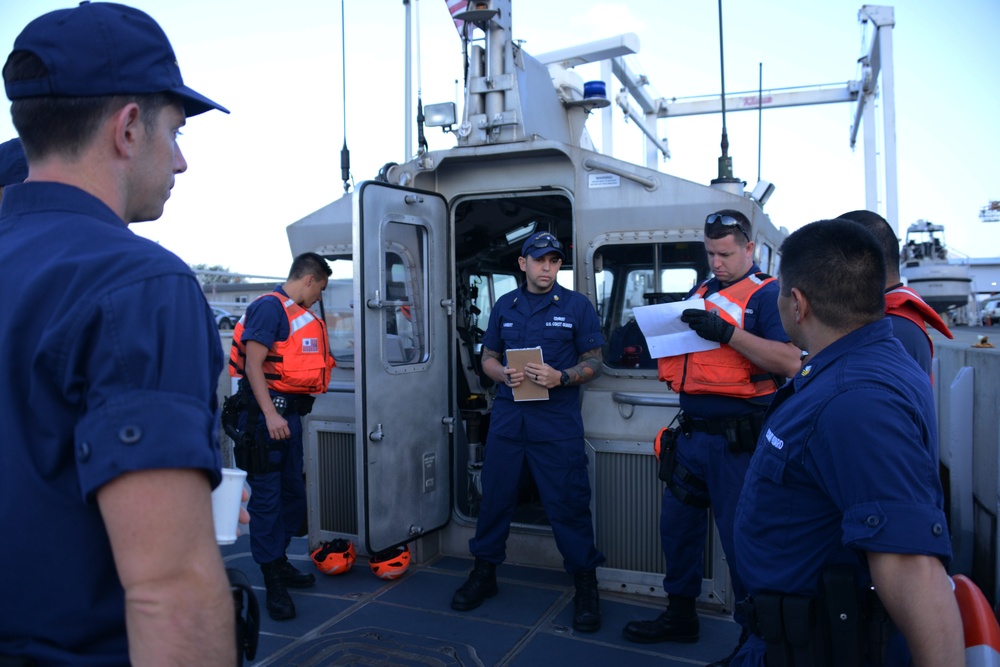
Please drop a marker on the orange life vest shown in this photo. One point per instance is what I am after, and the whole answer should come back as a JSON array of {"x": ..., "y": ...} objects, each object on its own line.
[
  {"x": 301, "y": 363},
  {"x": 904, "y": 302},
  {"x": 722, "y": 371}
]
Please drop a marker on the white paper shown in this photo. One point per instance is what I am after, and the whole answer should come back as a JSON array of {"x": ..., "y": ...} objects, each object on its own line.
[{"x": 665, "y": 334}]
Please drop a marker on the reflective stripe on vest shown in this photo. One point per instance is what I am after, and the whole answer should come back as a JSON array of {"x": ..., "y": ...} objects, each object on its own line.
[
  {"x": 722, "y": 371},
  {"x": 301, "y": 363}
]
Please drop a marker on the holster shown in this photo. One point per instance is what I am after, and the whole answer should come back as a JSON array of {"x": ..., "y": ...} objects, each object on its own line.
[
  {"x": 771, "y": 627},
  {"x": 666, "y": 444},
  {"x": 247, "y": 626},
  {"x": 250, "y": 452},
  {"x": 843, "y": 616},
  {"x": 742, "y": 433},
  {"x": 878, "y": 629},
  {"x": 231, "y": 409}
]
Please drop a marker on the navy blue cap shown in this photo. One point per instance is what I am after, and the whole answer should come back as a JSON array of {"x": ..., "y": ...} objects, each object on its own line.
[
  {"x": 13, "y": 164},
  {"x": 540, "y": 244},
  {"x": 102, "y": 48}
]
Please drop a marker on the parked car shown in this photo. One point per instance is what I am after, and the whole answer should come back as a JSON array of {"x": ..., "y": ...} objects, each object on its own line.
[
  {"x": 224, "y": 319},
  {"x": 991, "y": 312}
]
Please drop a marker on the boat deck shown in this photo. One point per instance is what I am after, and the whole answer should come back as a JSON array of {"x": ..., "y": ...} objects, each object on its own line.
[{"x": 358, "y": 619}]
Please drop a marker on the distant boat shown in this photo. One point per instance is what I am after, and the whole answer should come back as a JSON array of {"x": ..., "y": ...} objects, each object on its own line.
[{"x": 924, "y": 266}]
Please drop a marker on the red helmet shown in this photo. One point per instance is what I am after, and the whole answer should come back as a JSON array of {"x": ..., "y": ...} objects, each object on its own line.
[
  {"x": 391, "y": 563},
  {"x": 336, "y": 557}
]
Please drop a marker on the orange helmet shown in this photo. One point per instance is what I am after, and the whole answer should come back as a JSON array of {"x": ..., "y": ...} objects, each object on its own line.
[
  {"x": 336, "y": 557},
  {"x": 391, "y": 563}
]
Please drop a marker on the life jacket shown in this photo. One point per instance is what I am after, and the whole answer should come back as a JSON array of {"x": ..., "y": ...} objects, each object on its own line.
[
  {"x": 904, "y": 302},
  {"x": 301, "y": 363},
  {"x": 722, "y": 371}
]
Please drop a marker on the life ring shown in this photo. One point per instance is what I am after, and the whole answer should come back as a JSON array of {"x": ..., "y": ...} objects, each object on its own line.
[{"x": 982, "y": 633}]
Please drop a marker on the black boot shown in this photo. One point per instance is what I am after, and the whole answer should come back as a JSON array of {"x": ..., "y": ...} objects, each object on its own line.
[
  {"x": 481, "y": 584},
  {"x": 279, "y": 603},
  {"x": 729, "y": 658},
  {"x": 292, "y": 577},
  {"x": 679, "y": 623},
  {"x": 586, "y": 602}
]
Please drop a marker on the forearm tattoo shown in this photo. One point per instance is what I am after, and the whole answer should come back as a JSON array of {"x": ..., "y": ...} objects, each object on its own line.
[{"x": 589, "y": 367}]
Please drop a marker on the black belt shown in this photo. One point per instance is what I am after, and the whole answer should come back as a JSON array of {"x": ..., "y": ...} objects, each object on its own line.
[
  {"x": 721, "y": 425},
  {"x": 300, "y": 404}
]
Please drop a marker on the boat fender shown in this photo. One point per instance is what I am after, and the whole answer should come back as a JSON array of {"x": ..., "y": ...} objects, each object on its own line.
[{"x": 982, "y": 633}]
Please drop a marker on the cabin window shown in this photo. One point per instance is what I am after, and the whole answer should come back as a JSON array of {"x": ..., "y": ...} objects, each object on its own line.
[
  {"x": 764, "y": 257},
  {"x": 404, "y": 295},
  {"x": 338, "y": 310},
  {"x": 641, "y": 274}
]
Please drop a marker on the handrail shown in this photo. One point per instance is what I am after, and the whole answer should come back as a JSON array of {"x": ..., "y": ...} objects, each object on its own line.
[{"x": 653, "y": 400}]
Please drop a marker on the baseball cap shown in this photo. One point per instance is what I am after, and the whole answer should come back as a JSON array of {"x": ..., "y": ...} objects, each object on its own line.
[
  {"x": 103, "y": 48},
  {"x": 540, "y": 244},
  {"x": 13, "y": 163}
]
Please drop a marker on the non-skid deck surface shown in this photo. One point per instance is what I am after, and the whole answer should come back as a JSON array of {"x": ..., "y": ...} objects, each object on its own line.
[{"x": 358, "y": 619}]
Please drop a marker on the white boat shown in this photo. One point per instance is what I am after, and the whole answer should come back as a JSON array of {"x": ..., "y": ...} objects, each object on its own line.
[{"x": 925, "y": 267}]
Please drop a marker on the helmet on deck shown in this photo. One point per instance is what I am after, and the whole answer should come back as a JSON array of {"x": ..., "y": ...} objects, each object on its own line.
[
  {"x": 336, "y": 557},
  {"x": 390, "y": 563}
]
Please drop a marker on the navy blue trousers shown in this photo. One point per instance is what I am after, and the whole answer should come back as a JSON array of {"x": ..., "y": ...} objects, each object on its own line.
[
  {"x": 277, "y": 504},
  {"x": 559, "y": 469},
  {"x": 684, "y": 528}
]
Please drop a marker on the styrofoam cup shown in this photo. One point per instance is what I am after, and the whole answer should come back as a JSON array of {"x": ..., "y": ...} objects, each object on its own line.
[{"x": 226, "y": 500}]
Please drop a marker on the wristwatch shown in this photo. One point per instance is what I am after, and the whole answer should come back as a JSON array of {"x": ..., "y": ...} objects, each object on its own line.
[{"x": 564, "y": 379}]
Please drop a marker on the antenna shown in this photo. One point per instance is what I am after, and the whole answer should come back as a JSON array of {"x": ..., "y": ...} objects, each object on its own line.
[
  {"x": 421, "y": 140},
  {"x": 760, "y": 113},
  {"x": 725, "y": 162},
  {"x": 345, "y": 155}
]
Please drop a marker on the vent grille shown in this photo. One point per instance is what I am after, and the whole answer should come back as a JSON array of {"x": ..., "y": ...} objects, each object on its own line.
[
  {"x": 337, "y": 483},
  {"x": 627, "y": 513}
]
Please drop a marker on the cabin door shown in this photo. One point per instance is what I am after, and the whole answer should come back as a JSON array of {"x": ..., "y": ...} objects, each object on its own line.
[{"x": 404, "y": 407}]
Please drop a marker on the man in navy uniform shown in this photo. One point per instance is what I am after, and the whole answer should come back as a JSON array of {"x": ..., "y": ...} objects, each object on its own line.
[
  {"x": 843, "y": 492},
  {"x": 281, "y": 352},
  {"x": 542, "y": 436},
  {"x": 109, "y": 362},
  {"x": 723, "y": 395}
]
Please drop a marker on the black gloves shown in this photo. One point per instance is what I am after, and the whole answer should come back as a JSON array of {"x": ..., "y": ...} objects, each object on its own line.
[{"x": 708, "y": 325}]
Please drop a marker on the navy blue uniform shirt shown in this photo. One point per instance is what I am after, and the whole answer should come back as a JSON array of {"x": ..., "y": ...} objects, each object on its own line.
[
  {"x": 109, "y": 363},
  {"x": 565, "y": 325},
  {"x": 846, "y": 463}
]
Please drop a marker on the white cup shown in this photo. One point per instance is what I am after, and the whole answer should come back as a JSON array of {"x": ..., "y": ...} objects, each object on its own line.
[{"x": 226, "y": 499}]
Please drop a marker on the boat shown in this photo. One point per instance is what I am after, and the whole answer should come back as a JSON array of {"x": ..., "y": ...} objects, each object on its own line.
[
  {"x": 394, "y": 448},
  {"x": 925, "y": 266}
]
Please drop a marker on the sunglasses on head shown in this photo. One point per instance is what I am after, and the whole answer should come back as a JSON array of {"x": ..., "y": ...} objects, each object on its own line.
[
  {"x": 727, "y": 221},
  {"x": 546, "y": 241}
]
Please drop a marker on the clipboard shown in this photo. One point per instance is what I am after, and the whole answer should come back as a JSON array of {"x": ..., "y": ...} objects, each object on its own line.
[{"x": 527, "y": 390}]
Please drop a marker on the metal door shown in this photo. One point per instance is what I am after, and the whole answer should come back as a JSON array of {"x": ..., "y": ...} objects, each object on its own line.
[{"x": 402, "y": 321}]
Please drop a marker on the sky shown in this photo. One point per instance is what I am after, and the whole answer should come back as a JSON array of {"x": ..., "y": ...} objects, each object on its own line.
[{"x": 278, "y": 68}]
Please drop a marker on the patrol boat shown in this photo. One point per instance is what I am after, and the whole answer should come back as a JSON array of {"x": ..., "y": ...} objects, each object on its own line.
[
  {"x": 394, "y": 448},
  {"x": 924, "y": 264}
]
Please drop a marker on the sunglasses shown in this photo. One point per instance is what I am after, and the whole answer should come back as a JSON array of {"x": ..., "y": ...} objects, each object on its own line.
[
  {"x": 727, "y": 221},
  {"x": 546, "y": 241}
]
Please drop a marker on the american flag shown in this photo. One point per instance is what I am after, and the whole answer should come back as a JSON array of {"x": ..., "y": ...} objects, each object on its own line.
[
  {"x": 310, "y": 345},
  {"x": 456, "y": 6}
]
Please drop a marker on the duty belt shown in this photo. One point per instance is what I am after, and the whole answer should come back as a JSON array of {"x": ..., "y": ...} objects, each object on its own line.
[
  {"x": 718, "y": 426},
  {"x": 741, "y": 432},
  {"x": 838, "y": 628}
]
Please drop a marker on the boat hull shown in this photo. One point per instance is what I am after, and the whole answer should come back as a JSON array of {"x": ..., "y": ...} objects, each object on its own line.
[{"x": 941, "y": 285}]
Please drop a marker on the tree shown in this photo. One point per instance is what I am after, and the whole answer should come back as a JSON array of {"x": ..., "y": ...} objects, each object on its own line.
[{"x": 208, "y": 275}]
